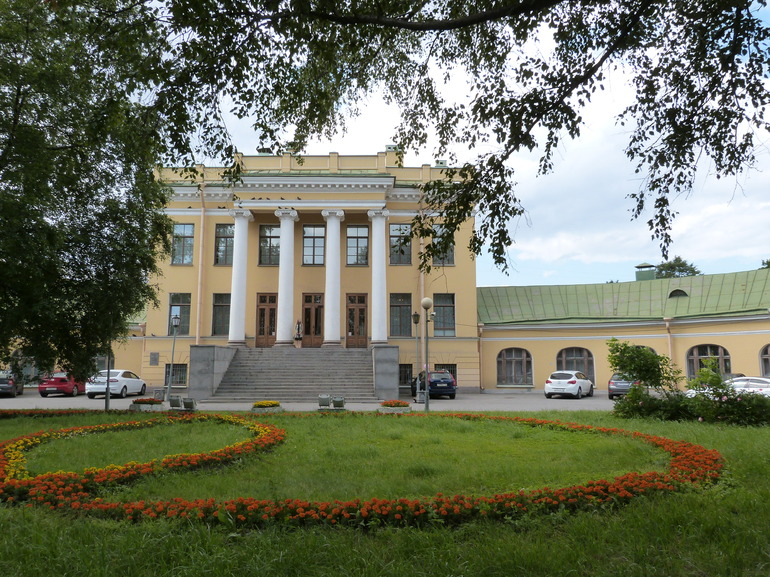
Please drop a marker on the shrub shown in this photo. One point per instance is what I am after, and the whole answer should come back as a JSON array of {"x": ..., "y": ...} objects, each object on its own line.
[{"x": 712, "y": 401}]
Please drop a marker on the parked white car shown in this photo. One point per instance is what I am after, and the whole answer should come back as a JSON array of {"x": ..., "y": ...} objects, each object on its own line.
[
  {"x": 572, "y": 383},
  {"x": 757, "y": 385},
  {"x": 122, "y": 383}
]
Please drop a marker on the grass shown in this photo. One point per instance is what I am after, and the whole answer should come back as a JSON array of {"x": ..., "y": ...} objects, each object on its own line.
[{"x": 720, "y": 531}]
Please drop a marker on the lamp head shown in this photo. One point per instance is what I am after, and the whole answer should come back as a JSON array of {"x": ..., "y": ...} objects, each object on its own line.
[
  {"x": 175, "y": 321},
  {"x": 416, "y": 318},
  {"x": 427, "y": 303}
]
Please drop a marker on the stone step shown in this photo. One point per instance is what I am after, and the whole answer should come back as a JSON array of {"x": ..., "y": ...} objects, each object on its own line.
[{"x": 298, "y": 375}]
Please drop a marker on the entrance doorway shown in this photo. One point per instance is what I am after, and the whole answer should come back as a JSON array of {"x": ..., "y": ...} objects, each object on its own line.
[
  {"x": 312, "y": 320},
  {"x": 266, "y": 314},
  {"x": 356, "y": 317}
]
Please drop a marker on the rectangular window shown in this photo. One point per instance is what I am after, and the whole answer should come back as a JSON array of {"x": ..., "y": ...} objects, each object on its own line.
[
  {"x": 444, "y": 307},
  {"x": 313, "y": 240},
  {"x": 223, "y": 244},
  {"x": 179, "y": 305},
  {"x": 358, "y": 245},
  {"x": 182, "y": 244},
  {"x": 446, "y": 257},
  {"x": 400, "y": 244},
  {"x": 269, "y": 244},
  {"x": 220, "y": 320},
  {"x": 177, "y": 376},
  {"x": 400, "y": 314}
]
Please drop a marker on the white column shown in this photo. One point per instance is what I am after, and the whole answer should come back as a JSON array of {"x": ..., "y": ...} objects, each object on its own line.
[
  {"x": 379, "y": 305},
  {"x": 332, "y": 291},
  {"x": 285, "y": 309},
  {"x": 237, "y": 333}
]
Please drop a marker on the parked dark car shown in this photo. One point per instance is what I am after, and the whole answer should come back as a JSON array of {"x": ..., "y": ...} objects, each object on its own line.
[
  {"x": 618, "y": 385},
  {"x": 9, "y": 385},
  {"x": 60, "y": 384},
  {"x": 442, "y": 384}
]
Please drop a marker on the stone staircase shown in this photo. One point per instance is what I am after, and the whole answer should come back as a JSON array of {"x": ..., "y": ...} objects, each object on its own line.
[{"x": 298, "y": 375}]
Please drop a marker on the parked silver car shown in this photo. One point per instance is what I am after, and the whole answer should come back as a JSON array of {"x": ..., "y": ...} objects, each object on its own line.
[
  {"x": 619, "y": 385},
  {"x": 9, "y": 385},
  {"x": 572, "y": 383}
]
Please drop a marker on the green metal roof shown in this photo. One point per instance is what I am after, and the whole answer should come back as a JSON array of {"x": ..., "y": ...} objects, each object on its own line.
[{"x": 741, "y": 293}]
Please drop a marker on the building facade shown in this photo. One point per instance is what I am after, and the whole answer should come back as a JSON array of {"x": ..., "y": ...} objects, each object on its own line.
[
  {"x": 316, "y": 252},
  {"x": 528, "y": 332},
  {"x": 308, "y": 252}
]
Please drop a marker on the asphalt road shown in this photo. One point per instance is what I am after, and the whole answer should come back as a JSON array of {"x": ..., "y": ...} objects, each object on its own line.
[{"x": 467, "y": 400}]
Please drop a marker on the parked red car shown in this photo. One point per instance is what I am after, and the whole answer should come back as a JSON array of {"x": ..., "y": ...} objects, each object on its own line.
[{"x": 60, "y": 384}]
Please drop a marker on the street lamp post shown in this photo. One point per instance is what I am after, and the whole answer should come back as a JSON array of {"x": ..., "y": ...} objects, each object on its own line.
[
  {"x": 416, "y": 321},
  {"x": 175, "y": 321},
  {"x": 427, "y": 304}
]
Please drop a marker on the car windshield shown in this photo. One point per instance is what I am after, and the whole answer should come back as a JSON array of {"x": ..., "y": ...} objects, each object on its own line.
[
  {"x": 439, "y": 376},
  {"x": 562, "y": 376}
]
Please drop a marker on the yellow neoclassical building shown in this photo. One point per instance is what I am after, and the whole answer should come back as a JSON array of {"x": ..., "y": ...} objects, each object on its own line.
[
  {"x": 313, "y": 254},
  {"x": 309, "y": 252}
]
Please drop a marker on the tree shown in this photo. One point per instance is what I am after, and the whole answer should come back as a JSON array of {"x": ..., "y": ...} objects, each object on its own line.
[
  {"x": 299, "y": 68},
  {"x": 81, "y": 211},
  {"x": 657, "y": 393},
  {"x": 675, "y": 268},
  {"x": 765, "y": 263},
  {"x": 644, "y": 365},
  {"x": 150, "y": 78}
]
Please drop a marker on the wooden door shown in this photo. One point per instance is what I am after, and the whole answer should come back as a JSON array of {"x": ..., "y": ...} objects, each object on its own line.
[
  {"x": 356, "y": 321},
  {"x": 266, "y": 315},
  {"x": 312, "y": 320}
]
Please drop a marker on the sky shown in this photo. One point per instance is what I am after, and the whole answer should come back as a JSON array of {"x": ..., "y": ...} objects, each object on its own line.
[{"x": 578, "y": 227}]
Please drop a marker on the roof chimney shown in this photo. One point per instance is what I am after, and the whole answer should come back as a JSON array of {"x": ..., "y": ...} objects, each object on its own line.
[{"x": 645, "y": 271}]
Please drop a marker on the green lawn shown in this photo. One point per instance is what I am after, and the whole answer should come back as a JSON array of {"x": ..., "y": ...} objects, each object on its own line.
[{"x": 718, "y": 531}]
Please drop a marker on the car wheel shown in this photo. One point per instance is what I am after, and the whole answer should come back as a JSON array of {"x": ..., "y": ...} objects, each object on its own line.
[
  {"x": 43, "y": 394},
  {"x": 143, "y": 390},
  {"x": 75, "y": 391},
  {"x": 14, "y": 392},
  {"x": 610, "y": 397},
  {"x": 579, "y": 394},
  {"x": 123, "y": 393},
  {"x": 21, "y": 390},
  {"x": 548, "y": 395},
  {"x": 91, "y": 396},
  {"x": 452, "y": 397},
  {"x": 590, "y": 392}
]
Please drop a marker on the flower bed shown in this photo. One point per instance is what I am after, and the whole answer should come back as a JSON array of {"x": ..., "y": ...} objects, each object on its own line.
[
  {"x": 267, "y": 407},
  {"x": 394, "y": 406},
  {"x": 689, "y": 465}
]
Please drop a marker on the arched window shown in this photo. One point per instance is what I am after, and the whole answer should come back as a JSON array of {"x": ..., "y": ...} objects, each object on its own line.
[
  {"x": 765, "y": 360},
  {"x": 677, "y": 293},
  {"x": 514, "y": 367},
  {"x": 576, "y": 359},
  {"x": 697, "y": 356}
]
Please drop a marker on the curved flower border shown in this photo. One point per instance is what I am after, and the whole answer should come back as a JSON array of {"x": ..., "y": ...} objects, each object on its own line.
[{"x": 690, "y": 465}]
